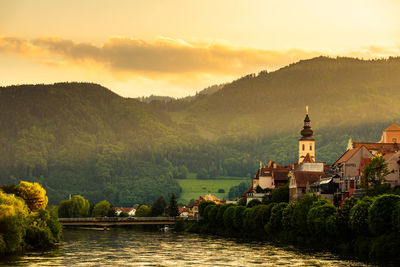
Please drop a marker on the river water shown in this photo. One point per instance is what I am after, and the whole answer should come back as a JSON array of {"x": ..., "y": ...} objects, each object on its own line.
[{"x": 128, "y": 247}]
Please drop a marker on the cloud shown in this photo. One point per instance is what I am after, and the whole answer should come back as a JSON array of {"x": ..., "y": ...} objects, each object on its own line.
[
  {"x": 163, "y": 56},
  {"x": 122, "y": 56}
]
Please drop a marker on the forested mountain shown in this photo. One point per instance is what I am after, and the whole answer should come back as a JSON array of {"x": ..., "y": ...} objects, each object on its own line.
[{"x": 82, "y": 138}]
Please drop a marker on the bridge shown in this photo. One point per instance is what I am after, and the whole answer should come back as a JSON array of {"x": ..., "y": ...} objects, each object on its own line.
[{"x": 110, "y": 221}]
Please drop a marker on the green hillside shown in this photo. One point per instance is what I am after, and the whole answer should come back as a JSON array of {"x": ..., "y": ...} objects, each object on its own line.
[{"x": 80, "y": 138}]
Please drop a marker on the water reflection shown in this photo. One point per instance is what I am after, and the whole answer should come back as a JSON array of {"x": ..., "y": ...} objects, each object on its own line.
[{"x": 127, "y": 247}]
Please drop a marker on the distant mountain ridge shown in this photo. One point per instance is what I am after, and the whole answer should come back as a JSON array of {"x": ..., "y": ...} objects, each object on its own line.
[{"x": 83, "y": 138}]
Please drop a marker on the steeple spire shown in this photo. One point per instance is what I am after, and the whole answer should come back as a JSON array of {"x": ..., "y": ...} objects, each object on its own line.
[{"x": 307, "y": 133}]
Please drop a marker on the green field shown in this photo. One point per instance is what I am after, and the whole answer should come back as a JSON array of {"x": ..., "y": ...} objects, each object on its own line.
[{"x": 194, "y": 188}]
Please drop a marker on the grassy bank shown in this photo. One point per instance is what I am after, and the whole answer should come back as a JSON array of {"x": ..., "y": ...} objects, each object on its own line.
[{"x": 192, "y": 188}]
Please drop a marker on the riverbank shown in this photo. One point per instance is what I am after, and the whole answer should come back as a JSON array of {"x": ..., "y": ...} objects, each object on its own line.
[{"x": 367, "y": 229}]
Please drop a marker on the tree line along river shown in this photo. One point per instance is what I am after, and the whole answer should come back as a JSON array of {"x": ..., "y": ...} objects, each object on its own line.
[{"x": 130, "y": 247}]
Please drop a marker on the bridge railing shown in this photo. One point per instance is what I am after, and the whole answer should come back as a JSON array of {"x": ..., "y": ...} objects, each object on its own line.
[{"x": 121, "y": 219}]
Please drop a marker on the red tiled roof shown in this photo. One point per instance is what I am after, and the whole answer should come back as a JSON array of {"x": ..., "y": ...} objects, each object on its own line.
[
  {"x": 308, "y": 158},
  {"x": 124, "y": 209},
  {"x": 347, "y": 155},
  {"x": 281, "y": 175},
  {"x": 381, "y": 147},
  {"x": 393, "y": 127},
  {"x": 302, "y": 177}
]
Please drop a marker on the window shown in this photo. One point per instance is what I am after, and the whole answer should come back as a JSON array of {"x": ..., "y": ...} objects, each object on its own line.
[
  {"x": 394, "y": 140},
  {"x": 304, "y": 147},
  {"x": 310, "y": 147}
]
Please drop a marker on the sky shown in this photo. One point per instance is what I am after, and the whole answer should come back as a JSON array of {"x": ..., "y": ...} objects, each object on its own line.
[{"x": 179, "y": 47}]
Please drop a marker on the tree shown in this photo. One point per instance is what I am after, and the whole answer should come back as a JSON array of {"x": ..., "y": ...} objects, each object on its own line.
[
  {"x": 202, "y": 174},
  {"x": 376, "y": 171},
  {"x": 173, "y": 209},
  {"x": 381, "y": 212},
  {"x": 359, "y": 216},
  {"x": 280, "y": 194},
  {"x": 75, "y": 207},
  {"x": 203, "y": 205},
  {"x": 13, "y": 222},
  {"x": 242, "y": 201},
  {"x": 158, "y": 207},
  {"x": 253, "y": 202},
  {"x": 33, "y": 194},
  {"x": 143, "y": 211},
  {"x": 101, "y": 209}
]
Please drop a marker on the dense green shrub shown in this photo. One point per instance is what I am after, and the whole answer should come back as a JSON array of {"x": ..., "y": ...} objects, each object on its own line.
[
  {"x": 212, "y": 214},
  {"x": 385, "y": 248},
  {"x": 318, "y": 217},
  {"x": 220, "y": 214},
  {"x": 267, "y": 213},
  {"x": 259, "y": 217},
  {"x": 341, "y": 228},
  {"x": 203, "y": 205},
  {"x": 229, "y": 217},
  {"x": 238, "y": 217},
  {"x": 143, "y": 211},
  {"x": 358, "y": 217},
  {"x": 253, "y": 202},
  {"x": 280, "y": 194},
  {"x": 380, "y": 214},
  {"x": 274, "y": 226},
  {"x": 206, "y": 210},
  {"x": 38, "y": 237}
]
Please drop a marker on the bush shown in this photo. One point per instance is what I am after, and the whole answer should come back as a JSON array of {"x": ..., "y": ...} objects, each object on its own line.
[
  {"x": 203, "y": 205},
  {"x": 220, "y": 214},
  {"x": 358, "y": 217},
  {"x": 274, "y": 226},
  {"x": 238, "y": 217},
  {"x": 212, "y": 214},
  {"x": 341, "y": 220},
  {"x": 143, "y": 211},
  {"x": 253, "y": 202},
  {"x": 229, "y": 217},
  {"x": 242, "y": 201},
  {"x": 101, "y": 209},
  {"x": 385, "y": 248},
  {"x": 123, "y": 214},
  {"x": 280, "y": 194},
  {"x": 38, "y": 237},
  {"x": 380, "y": 214},
  {"x": 318, "y": 217}
]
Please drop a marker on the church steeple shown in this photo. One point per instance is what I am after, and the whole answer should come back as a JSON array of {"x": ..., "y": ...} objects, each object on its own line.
[
  {"x": 306, "y": 142},
  {"x": 307, "y": 133}
]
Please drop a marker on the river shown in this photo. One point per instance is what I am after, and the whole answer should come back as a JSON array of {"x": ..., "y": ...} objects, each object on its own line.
[{"x": 128, "y": 247}]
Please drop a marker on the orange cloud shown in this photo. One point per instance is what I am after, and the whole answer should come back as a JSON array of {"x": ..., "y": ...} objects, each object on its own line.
[{"x": 165, "y": 56}]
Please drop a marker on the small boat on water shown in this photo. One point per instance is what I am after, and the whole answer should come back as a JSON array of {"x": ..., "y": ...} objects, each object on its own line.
[{"x": 165, "y": 228}]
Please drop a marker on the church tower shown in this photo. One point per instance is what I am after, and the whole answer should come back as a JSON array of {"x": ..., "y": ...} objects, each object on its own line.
[{"x": 306, "y": 142}]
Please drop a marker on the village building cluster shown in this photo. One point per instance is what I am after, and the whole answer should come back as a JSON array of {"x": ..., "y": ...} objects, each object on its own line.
[{"x": 335, "y": 182}]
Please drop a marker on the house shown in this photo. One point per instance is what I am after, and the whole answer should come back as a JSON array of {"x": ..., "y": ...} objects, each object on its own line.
[
  {"x": 300, "y": 183},
  {"x": 266, "y": 179},
  {"x": 389, "y": 148},
  {"x": 193, "y": 209},
  {"x": 131, "y": 211},
  {"x": 348, "y": 168},
  {"x": 393, "y": 161},
  {"x": 183, "y": 212}
]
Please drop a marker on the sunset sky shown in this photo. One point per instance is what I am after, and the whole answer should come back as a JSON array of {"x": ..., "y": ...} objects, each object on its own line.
[{"x": 176, "y": 48}]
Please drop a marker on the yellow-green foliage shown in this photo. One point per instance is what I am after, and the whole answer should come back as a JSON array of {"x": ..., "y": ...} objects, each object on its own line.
[
  {"x": 33, "y": 194},
  {"x": 13, "y": 213}
]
